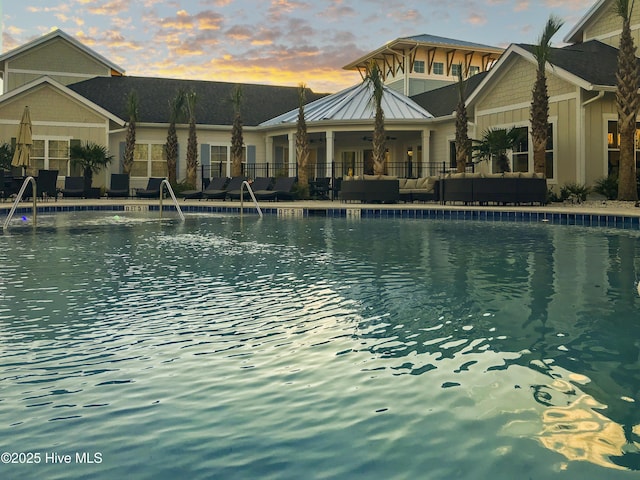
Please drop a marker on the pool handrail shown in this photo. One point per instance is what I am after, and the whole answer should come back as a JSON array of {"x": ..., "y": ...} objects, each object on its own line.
[
  {"x": 249, "y": 189},
  {"x": 5, "y": 225},
  {"x": 166, "y": 183}
]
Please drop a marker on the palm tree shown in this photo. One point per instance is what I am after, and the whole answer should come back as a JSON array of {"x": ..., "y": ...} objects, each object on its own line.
[
  {"x": 374, "y": 76},
  {"x": 302, "y": 145},
  {"x": 92, "y": 158},
  {"x": 176, "y": 111},
  {"x": 495, "y": 144},
  {"x": 627, "y": 103},
  {"x": 540, "y": 96},
  {"x": 192, "y": 142},
  {"x": 463, "y": 143},
  {"x": 237, "y": 140},
  {"x": 130, "y": 139}
]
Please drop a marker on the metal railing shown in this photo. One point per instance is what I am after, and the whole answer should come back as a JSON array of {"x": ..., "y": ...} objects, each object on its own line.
[
  {"x": 19, "y": 197},
  {"x": 246, "y": 184},
  {"x": 166, "y": 183}
]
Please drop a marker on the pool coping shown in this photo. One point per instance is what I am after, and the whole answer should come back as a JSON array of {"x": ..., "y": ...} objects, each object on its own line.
[{"x": 612, "y": 217}]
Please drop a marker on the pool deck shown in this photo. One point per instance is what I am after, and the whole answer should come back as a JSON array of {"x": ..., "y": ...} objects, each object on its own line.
[{"x": 592, "y": 213}]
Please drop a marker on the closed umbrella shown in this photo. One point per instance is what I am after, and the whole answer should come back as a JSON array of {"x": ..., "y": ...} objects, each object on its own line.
[{"x": 23, "y": 142}]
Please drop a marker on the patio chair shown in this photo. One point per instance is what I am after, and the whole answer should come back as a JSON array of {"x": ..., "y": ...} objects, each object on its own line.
[
  {"x": 119, "y": 185},
  {"x": 282, "y": 190},
  {"x": 319, "y": 188},
  {"x": 46, "y": 184},
  {"x": 73, "y": 187},
  {"x": 216, "y": 184},
  {"x": 260, "y": 183},
  {"x": 234, "y": 184},
  {"x": 152, "y": 190}
]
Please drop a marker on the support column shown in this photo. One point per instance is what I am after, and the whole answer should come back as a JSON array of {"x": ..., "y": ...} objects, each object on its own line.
[
  {"x": 292, "y": 154},
  {"x": 329, "y": 138},
  {"x": 268, "y": 158},
  {"x": 426, "y": 147}
]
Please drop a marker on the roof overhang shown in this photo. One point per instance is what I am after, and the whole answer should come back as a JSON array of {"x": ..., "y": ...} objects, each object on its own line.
[
  {"x": 67, "y": 91},
  {"x": 575, "y": 35},
  {"x": 391, "y": 57},
  {"x": 515, "y": 51}
]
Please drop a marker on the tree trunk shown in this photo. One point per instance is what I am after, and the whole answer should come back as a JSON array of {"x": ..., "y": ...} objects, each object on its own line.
[{"x": 627, "y": 188}]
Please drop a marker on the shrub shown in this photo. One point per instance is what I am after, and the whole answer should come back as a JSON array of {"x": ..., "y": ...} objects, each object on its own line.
[
  {"x": 607, "y": 186},
  {"x": 574, "y": 190}
]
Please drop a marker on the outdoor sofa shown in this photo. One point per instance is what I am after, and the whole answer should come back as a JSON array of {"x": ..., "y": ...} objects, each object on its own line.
[
  {"x": 370, "y": 189},
  {"x": 504, "y": 188}
]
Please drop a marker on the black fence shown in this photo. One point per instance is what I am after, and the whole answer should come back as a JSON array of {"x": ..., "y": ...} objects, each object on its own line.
[{"x": 406, "y": 169}]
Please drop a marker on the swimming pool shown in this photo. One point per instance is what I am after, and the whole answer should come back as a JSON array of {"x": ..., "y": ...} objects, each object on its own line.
[{"x": 318, "y": 348}]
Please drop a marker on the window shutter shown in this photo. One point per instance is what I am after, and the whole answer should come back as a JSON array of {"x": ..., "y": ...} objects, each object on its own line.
[
  {"x": 205, "y": 160},
  {"x": 251, "y": 154}
]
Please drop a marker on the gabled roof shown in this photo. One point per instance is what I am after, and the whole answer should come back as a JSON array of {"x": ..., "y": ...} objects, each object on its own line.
[
  {"x": 575, "y": 35},
  {"x": 213, "y": 99},
  {"x": 593, "y": 62},
  {"x": 354, "y": 104},
  {"x": 590, "y": 65},
  {"x": 403, "y": 45},
  {"x": 59, "y": 34},
  {"x": 442, "y": 101},
  {"x": 50, "y": 81}
]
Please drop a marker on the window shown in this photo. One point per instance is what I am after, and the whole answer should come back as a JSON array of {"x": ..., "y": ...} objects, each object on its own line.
[
  {"x": 50, "y": 154},
  {"x": 520, "y": 153},
  {"x": 473, "y": 70},
  {"x": 149, "y": 160},
  {"x": 613, "y": 148},
  {"x": 455, "y": 70},
  {"x": 438, "y": 68},
  {"x": 219, "y": 157},
  {"x": 418, "y": 66}
]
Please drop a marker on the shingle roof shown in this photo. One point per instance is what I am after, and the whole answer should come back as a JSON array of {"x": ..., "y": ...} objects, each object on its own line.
[
  {"x": 592, "y": 61},
  {"x": 443, "y": 101},
  {"x": 355, "y": 103},
  {"x": 213, "y": 105}
]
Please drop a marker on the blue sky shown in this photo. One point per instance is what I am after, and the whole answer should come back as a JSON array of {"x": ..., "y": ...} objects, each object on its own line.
[{"x": 281, "y": 42}]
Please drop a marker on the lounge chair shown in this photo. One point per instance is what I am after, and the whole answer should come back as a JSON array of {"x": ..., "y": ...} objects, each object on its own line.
[
  {"x": 119, "y": 185},
  {"x": 282, "y": 190},
  {"x": 319, "y": 188},
  {"x": 260, "y": 183},
  {"x": 215, "y": 184},
  {"x": 234, "y": 184},
  {"x": 152, "y": 190},
  {"x": 73, "y": 187},
  {"x": 46, "y": 184}
]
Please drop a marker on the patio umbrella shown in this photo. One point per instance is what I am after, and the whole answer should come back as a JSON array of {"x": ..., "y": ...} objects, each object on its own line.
[{"x": 23, "y": 141}]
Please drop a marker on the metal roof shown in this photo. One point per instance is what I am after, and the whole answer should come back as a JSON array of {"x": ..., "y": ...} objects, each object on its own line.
[{"x": 353, "y": 104}]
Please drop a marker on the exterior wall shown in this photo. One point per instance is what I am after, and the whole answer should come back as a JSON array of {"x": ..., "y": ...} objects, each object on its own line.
[
  {"x": 507, "y": 103},
  {"x": 606, "y": 26},
  {"x": 597, "y": 115},
  {"x": 422, "y": 82},
  {"x": 58, "y": 59}
]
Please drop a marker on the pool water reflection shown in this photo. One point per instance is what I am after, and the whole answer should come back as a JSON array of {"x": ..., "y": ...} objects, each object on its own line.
[{"x": 326, "y": 348}]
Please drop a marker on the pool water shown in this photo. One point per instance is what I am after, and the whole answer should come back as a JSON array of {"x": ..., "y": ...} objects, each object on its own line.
[{"x": 276, "y": 348}]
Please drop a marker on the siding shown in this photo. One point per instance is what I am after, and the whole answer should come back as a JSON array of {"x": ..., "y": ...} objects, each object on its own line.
[
  {"x": 595, "y": 137},
  {"x": 607, "y": 25},
  {"x": 58, "y": 55}
]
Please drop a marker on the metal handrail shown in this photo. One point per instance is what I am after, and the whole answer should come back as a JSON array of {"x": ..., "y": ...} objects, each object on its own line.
[
  {"x": 245, "y": 183},
  {"x": 19, "y": 197},
  {"x": 166, "y": 183}
]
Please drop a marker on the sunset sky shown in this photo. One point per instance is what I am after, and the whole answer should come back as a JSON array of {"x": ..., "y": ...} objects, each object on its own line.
[{"x": 282, "y": 42}]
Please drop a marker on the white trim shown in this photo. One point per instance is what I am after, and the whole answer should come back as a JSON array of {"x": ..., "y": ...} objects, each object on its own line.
[
  {"x": 59, "y": 33},
  {"x": 4, "y": 121},
  {"x": 519, "y": 106},
  {"x": 47, "y": 73},
  {"x": 583, "y": 21},
  {"x": 67, "y": 91}
]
